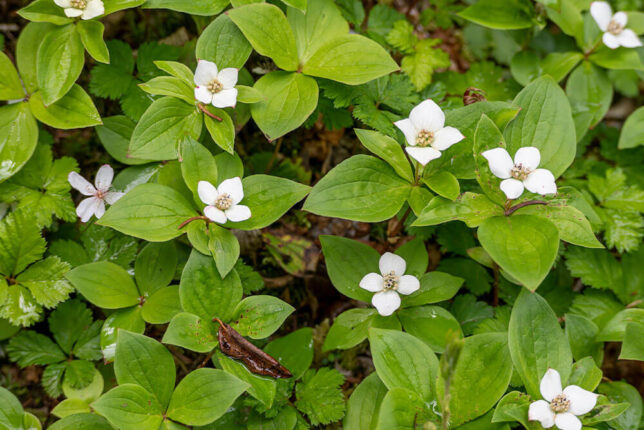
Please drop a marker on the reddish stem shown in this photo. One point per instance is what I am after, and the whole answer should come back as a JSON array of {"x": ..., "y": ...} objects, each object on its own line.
[
  {"x": 509, "y": 211},
  {"x": 207, "y": 112},
  {"x": 194, "y": 218}
]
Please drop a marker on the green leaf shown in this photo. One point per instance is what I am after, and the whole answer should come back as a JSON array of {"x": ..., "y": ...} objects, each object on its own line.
[
  {"x": 248, "y": 94},
  {"x": 289, "y": 99},
  {"x": 91, "y": 33},
  {"x": 402, "y": 408},
  {"x": 481, "y": 376},
  {"x": 79, "y": 373},
  {"x": 28, "y": 348},
  {"x": 294, "y": 351},
  {"x": 203, "y": 396},
  {"x": 10, "y": 85},
  {"x": 537, "y": 342},
  {"x": 144, "y": 361},
  {"x": 68, "y": 321},
  {"x": 545, "y": 122},
  {"x": 351, "y": 59},
  {"x": 29, "y": 41},
  {"x": 604, "y": 411},
  {"x": 320, "y": 397},
  {"x": 260, "y": 316},
  {"x": 274, "y": 38},
  {"x": 44, "y": 11},
  {"x": 169, "y": 86},
  {"x": 150, "y": 211},
  {"x": 11, "y": 412},
  {"x": 590, "y": 93},
  {"x": 88, "y": 393},
  {"x": 204, "y": 292},
  {"x": 178, "y": 70},
  {"x": 361, "y": 188},
  {"x": 222, "y": 132},
  {"x": 470, "y": 208},
  {"x": 130, "y": 407},
  {"x": 581, "y": 333},
  {"x": 105, "y": 284},
  {"x": 434, "y": 287},
  {"x": 161, "y": 128},
  {"x": 632, "y": 133},
  {"x": 347, "y": 262},
  {"x": 82, "y": 421},
  {"x": 617, "y": 59},
  {"x": 191, "y": 332},
  {"x": 74, "y": 109},
  {"x": 620, "y": 392},
  {"x": 155, "y": 266},
  {"x": 559, "y": 64},
  {"x": 262, "y": 388},
  {"x": 18, "y": 138},
  {"x": 509, "y": 15},
  {"x": 431, "y": 324},
  {"x": 197, "y": 164},
  {"x": 349, "y": 329},
  {"x": 70, "y": 407},
  {"x": 585, "y": 374},
  {"x": 525, "y": 246},
  {"x": 115, "y": 134},
  {"x": 222, "y": 43},
  {"x": 124, "y": 319},
  {"x": 269, "y": 198},
  {"x": 196, "y": 7},
  {"x": 162, "y": 305},
  {"x": 444, "y": 184},
  {"x": 514, "y": 407},
  {"x": 486, "y": 137},
  {"x": 364, "y": 404},
  {"x": 45, "y": 281},
  {"x": 388, "y": 149},
  {"x": 404, "y": 361},
  {"x": 60, "y": 61},
  {"x": 224, "y": 247}
]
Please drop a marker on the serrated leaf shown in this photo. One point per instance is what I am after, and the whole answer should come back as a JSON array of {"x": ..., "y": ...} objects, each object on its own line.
[
  {"x": 319, "y": 395},
  {"x": 28, "y": 348}
]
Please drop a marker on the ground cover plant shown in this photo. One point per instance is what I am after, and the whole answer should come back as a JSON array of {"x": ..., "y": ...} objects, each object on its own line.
[{"x": 292, "y": 214}]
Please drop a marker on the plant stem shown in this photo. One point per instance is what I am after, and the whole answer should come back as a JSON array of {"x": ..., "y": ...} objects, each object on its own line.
[
  {"x": 194, "y": 218},
  {"x": 203, "y": 109},
  {"x": 269, "y": 166},
  {"x": 509, "y": 211}
]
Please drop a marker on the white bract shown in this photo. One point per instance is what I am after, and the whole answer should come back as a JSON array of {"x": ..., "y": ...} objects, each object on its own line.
[
  {"x": 425, "y": 132},
  {"x": 391, "y": 282},
  {"x": 614, "y": 26},
  {"x": 520, "y": 173},
  {"x": 86, "y": 9},
  {"x": 560, "y": 407},
  {"x": 216, "y": 87},
  {"x": 223, "y": 201},
  {"x": 100, "y": 194}
]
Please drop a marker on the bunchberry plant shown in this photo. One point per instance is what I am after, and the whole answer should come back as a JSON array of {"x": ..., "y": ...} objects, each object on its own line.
[{"x": 292, "y": 214}]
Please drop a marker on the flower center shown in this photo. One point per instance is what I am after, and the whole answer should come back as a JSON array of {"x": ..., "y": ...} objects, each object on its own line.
[
  {"x": 79, "y": 4},
  {"x": 424, "y": 138},
  {"x": 390, "y": 281},
  {"x": 223, "y": 202},
  {"x": 520, "y": 172},
  {"x": 614, "y": 27},
  {"x": 100, "y": 194},
  {"x": 560, "y": 404},
  {"x": 215, "y": 86}
]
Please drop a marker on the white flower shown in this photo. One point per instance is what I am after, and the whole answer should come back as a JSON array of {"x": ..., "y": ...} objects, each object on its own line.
[
  {"x": 94, "y": 205},
  {"x": 223, "y": 201},
  {"x": 560, "y": 406},
  {"x": 425, "y": 132},
  {"x": 216, "y": 87},
  {"x": 613, "y": 26},
  {"x": 392, "y": 282},
  {"x": 86, "y": 9},
  {"x": 521, "y": 173}
]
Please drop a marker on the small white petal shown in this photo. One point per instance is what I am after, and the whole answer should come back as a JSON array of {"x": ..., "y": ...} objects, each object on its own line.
[
  {"x": 386, "y": 302},
  {"x": 207, "y": 192},
  {"x": 513, "y": 188},
  {"x": 550, "y": 385},
  {"x": 540, "y": 181},
  {"x": 63, "y": 3},
  {"x": 104, "y": 177},
  {"x": 100, "y": 209},
  {"x": 225, "y": 98},
  {"x": 238, "y": 213},
  {"x": 581, "y": 401},
  {"x": 112, "y": 197},
  {"x": 628, "y": 39},
  {"x": 407, "y": 284},
  {"x": 446, "y": 137},
  {"x": 601, "y": 13},
  {"x": 620, "y": 18},
  {"x": 610, "y": 40},
  {"x": 390, "y": 262},
  {"x": 427, "y": 116},
  {"x": 567, "y": 421},
  {"x": 500, "y": 162},
  {"x": 206, "y": 71},
  {"x": 81, "y": 184},
  {"x": 529, "y": 157},
  {"x": 540, "y": 411},
  {"x": 423, "y": 155},
  {"x": 233, "y": 187},
  {"x": 228, "y": 77},
  {"x": 73, "y": 12},
  {"x": 203, "y": 95},
  {"x": 87, "y": 207},
  {"x": 372, "y": 282},
  {"x": 93, "y": 9},
  {"x": 215, "y": 214},
  {"x": 408, "y": 130}
]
